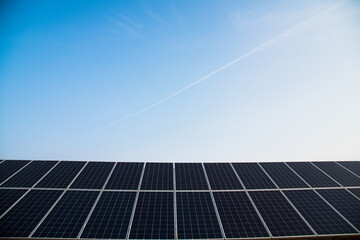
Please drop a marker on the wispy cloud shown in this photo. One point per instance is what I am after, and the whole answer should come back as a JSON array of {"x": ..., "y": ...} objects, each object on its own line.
[{"x": 126, "y": 23}]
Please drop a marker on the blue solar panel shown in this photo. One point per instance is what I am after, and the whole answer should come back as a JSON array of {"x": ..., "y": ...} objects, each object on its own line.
[
  {"x": 158, "y": 176},
  {"x": 222, "y": 176},
  {"x": 341, "y": 175},
  {"x": 93, "y": 176},
  {"x": 190, "y": 176},
  {"x": 125, "y": 176},
  {"x": 252, "y": 176}
]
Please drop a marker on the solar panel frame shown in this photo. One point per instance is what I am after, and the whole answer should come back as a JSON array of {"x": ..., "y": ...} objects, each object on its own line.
[
  {"x": 93, "y": 176},
  {"x": 190, "y": 176},
  {"x": 312, "y": 175},
  {"x": 222, "y": 176},
  {"x": 253, "y": 176},
  {"x": 353, "y": 166},
  {"x": 30, "y": 174},
  {"x": 339, "y": 173},
  {"x": 355, "y": 191},
  {"x": 323, "y": 219},
  {"x": 158, "y": 176},
  {"x": 283, "y": 176},
  {"x": 10, "y": 167},
  {"x": 123, "y": 172}
]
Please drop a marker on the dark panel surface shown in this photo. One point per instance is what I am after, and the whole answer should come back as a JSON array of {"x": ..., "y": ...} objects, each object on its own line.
[
  {"x": 252, "y": 176},
  {"x": 125, "y": 176},
  {"x": 21, "y": 220},
  {"x": 196, "y": 216},
  {"x": 9, "y": 167},
  {"x": 93, "y": 176},
  {"x": 222, "y": 176},
  {"x": 111, "y": 216},
  {"x": 312, "y": 175},
  {"x": 347, "y": 204},
  {"x": 154, "y": 216},
  {"x": 8, "y": 197},
  {"x": 68, "y": 216},
  {"x": 322, "y": 218},
  {"x": 238, "y": 216},
  {"x": 61, "y": 176},
  {"x": 280, "y": 217},
  {"x": 283, "y": 176},
  {"x": 353, "y": 166},
  {"x": 28, "y": 176},
  {"x": 158, "y": 176},
  {"x": 341, "y": 175},
  {"x": 355, "y": 191},
  {"x": 190, "y": 176}
]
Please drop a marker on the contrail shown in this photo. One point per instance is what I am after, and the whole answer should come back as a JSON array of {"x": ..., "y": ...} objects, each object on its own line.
[{"x": 248, "y": 54}]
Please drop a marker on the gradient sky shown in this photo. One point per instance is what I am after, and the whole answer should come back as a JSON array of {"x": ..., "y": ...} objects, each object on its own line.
[{"x": 70, "y": 68}]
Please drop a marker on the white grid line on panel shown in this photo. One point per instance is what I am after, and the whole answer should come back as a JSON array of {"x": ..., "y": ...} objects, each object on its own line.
[
  {"x": 298, "y": 175},
  {"x": 352, "y": 193},
  {"x": 268, "y": 176},
  {"x": 326, "y": 174},
  {"x": 107, "y": 179},
  {"x": 347, "y": 169},
  {"x": 301, "y": 216},
  {"x": 252, "y": 202},
  {"x": 33, "y": 186},
  {"x": 16, "y": 172},
  {"x": 135, "y": 203},
  {"x": 15, "y": 203},
  {"x": 77, "y": 175},
  {"x": 214, "y": 203},
  {"x": 337, "y": 211},
  {"x": 175, "y": 207}
]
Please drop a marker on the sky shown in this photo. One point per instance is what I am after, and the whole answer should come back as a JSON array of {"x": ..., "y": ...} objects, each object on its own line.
[{"x": 178, "y": 81}]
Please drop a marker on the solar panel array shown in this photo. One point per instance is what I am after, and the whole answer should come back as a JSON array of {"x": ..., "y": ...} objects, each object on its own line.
[{"x": 118, "y": 200}]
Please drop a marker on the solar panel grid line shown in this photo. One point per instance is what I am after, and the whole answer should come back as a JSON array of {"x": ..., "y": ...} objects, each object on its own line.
[
  {"x": 353, "y": 166},
  {"x": 89, "y": 215},
  {"x": 14, "y": 203},
  {"x": 15, "y": 172},
  {"x": 238, "y": 177},
  {"x": 298, "y": 212},
  {"x": 337, "y": 211},
  {"x": 298, "y": 175},
  {"x": 135, "y": 202},
  {"x": 107, "y": 179},
  {"x": 352, "y": 193},
  {"x": 272, "y": 180},
  {"x": 175, "y": 208},
  {"x": 45, "y": 175},
  {"x": 48, "y": 212},
  {"x": 213, "y": 202},
  {"x": 77, "y": 175},
  {"x": 347, "y": 169},
  {"x": 326, "y": 174}
]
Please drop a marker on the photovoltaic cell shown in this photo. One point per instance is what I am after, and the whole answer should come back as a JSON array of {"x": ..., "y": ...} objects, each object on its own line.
[
  {"x": 355, "y": 191},
  {"x": 312, "y": 175},
  {"x": 322, "y": 218},
  {"x": 9, "y": 167},
  {"x": 345, "y": 203},
  {"x": 61, "y": 176},
  {"x": 21, "y": 220},
  {"x": 158, "y": 176},
  {"x": 111, "y": 216},
  {"x": 353, "y": 166},
  {"x": 341, "y": 175},
  {"x": 190, "y": 176},
  {"x": 8, "y": 197},
  {"x": 283, "y": 176},
  {"x": 125, "y": 176},
  {"x": 238, "y": 216},
  {"x": 252, "y": 176},
  {"x": 93, "y": 176},
  {"x": 196, "y": 216},
  {"x": 68, "y": 216},
  {"x": 280, "y": 217},
  {"x": 222, "y": 176},
  {"x": 154, "y": 216},
  {"x": 29, "y": 175}
]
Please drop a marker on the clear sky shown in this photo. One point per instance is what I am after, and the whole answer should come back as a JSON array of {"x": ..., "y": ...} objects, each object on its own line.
[{"x": 71, "y": 71}]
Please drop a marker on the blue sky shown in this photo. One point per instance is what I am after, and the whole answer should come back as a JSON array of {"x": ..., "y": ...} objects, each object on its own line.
[{"x": 68, "y": 69}]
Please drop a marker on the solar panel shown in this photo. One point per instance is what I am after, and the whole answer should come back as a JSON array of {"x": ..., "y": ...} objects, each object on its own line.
[
  {"x": 68, "y": 216},
  {"x": 9, "y": 167},
  {"x": 154, "y": 216},
  {"x": 280, "y": 217},
  {"x": 61, "y": 176},
  {"x": 355, "y": 191},
  {"x": 347, "y": 204},
  {"x": 312, "y": 175},
  {"x": 252, "y": 176},
  {"x": 222, "y": 176},
  {"x": 158, "y": 176},
  {"x": 29, "y": 175},
  {"x": 196, "y": 216},
  {"x": 238, "y": 216},
  {"x": 93, "y": 176},
  {"x": 111, "y": 216},
  {"x": 8, "y": 197},
  {"x": 190, "y": 176},
  {"x": 322, "y": 218},
  {"x": 338, "y": 173},
  {"x": 125, "y": 176},
  {"x": 283, "y": 176},
  {"x": 27, "y": 213},
  {"x": 352, "y": 166}
]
